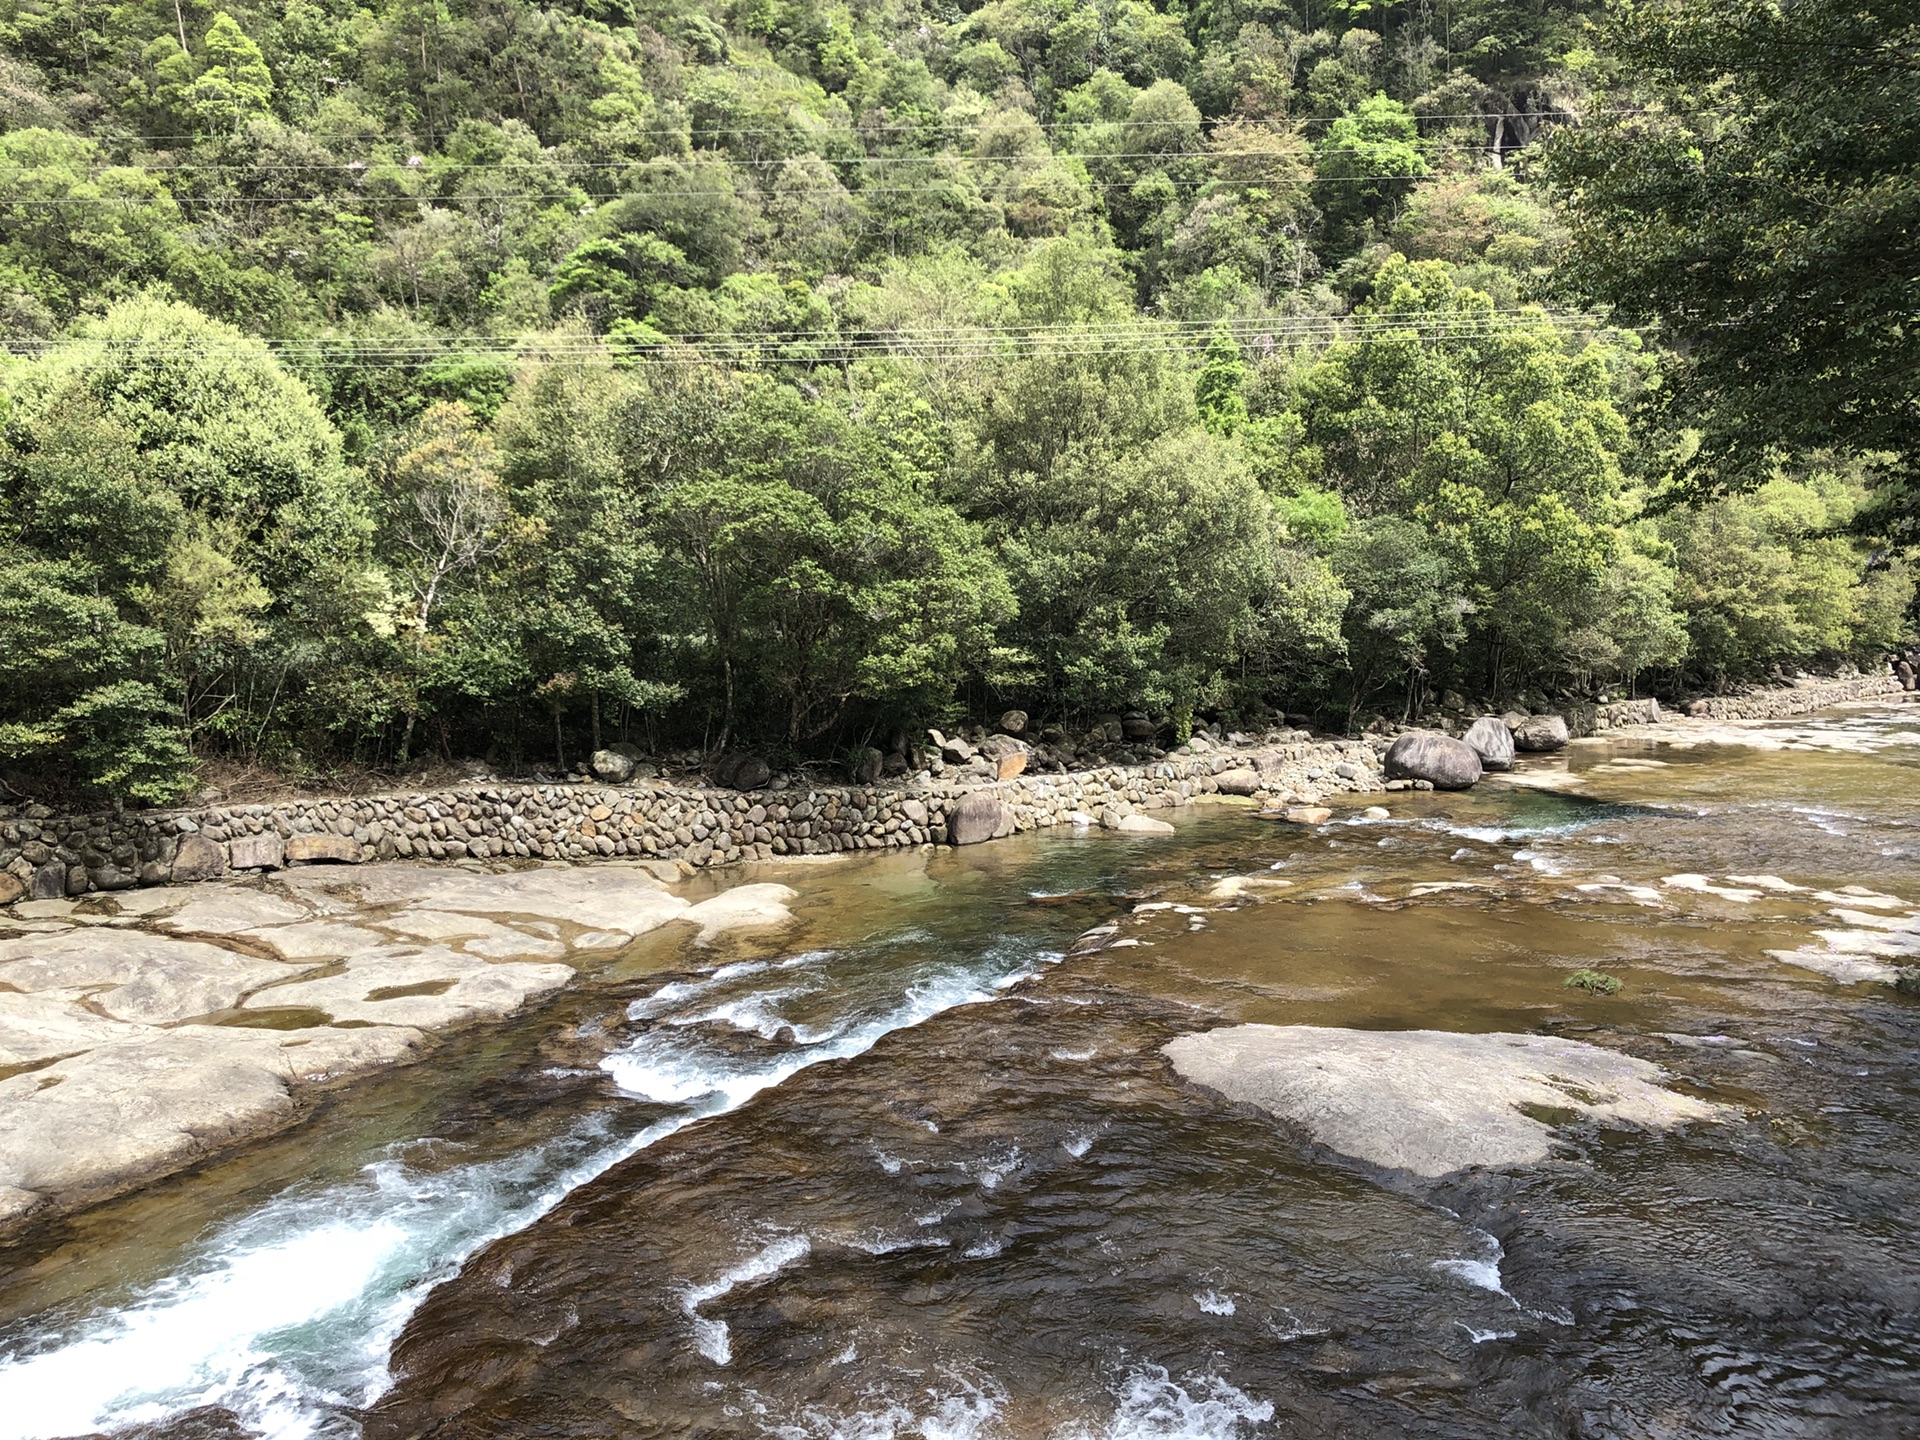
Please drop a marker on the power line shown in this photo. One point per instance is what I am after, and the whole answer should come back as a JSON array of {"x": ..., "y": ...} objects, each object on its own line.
[
  {"x": 1185, "y": 338},
  {"x": 802, "y": 131},
  {"x": 557, "y": 197},
  {"x": 430, "y": 168}
]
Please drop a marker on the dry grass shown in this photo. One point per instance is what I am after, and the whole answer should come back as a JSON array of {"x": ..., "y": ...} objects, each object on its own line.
[{"x": 235, "y": 782}]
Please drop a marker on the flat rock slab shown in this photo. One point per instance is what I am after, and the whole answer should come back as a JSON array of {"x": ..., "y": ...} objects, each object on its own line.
[
  {"x": 435, "y": 989},
  {"x": 87, "y": 1128},
  {"x": 229, "y": 909},
  {"x": 621, "y": 898},
  {"x": 147, "y": 979},
  {"x": 315, "y": 939},
  {"x": 1431, "y": 1101},
  {"x": 36, "y": 1028},
  {"x": 745, "y": 907}
]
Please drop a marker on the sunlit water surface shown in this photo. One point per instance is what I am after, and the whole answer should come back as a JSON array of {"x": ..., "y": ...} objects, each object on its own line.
[{"x": 917, "y": 1170}]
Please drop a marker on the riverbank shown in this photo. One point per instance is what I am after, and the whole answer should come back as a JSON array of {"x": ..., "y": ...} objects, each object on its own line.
[
  {"x": 949, "y": 1115},
  {"x": 44, "y": 855},
  {"x": 144, "y": 1028},
  {"x": 147, "y": 1026}
]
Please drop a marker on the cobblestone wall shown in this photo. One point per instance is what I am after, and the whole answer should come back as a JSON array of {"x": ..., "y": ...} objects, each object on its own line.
[
  {"x": 1793, "y": 700},
  {"x": 44, "y": 855}
]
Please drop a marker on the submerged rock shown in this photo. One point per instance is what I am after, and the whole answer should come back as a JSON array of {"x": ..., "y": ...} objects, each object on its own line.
[
  {"x": 1431, "y": 1101},
  {"x": 745, "y": 907},
  {"x": 1490, "y": 739},
  {"x": 1440, "y": 760}
]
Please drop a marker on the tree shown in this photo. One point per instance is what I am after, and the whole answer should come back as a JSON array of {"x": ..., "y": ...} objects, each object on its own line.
[
  {"x": 1503, "y": 437},
  {"x": 1366, "y": 165},
  {"x": 1749, "y": 182}
]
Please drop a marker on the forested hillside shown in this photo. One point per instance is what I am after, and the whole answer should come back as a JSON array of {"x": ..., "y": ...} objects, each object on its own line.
[{"x": 461, "y": 377}]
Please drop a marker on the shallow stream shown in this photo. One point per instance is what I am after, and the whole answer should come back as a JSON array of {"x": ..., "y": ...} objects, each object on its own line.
[{"x": 919, "y": 1170}]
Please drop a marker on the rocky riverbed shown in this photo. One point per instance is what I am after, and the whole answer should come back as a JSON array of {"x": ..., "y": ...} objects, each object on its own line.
[
  {"x": 1581, "y": 1100},
  {"x": 143, "y": 1031}
]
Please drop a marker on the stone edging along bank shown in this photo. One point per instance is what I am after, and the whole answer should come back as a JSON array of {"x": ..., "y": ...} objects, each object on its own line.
[
  {"x": 1802, "y": 699},
  {"x": 45, "y": 855}
]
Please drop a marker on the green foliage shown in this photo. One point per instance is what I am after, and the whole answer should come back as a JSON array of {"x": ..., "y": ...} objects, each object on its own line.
[
  {"x": 407, "y": 377},
  {"x": 1748, "y": 182},
  {"x": 1366, "y": 164},
  {"x": 1594, "y": 982}
]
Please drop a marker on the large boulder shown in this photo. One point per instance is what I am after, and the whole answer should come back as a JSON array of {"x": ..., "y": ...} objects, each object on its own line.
[
  {"x": 266, "y": 851},
  {"x": 324, "y": 849},
  {"x": 198, "y": 858},
  {"x": 1241, "y": 780},
  {"x": 738, "y": 771},
  {"x": 980, "y": 816},
  {"x": 1014, "y": 722},
  {"x": 1540, "y": 732},
  {"x": 611, "y": 766},
  {"x": 1440, "y": 760},
  {"x": 1492, "y": 741}
]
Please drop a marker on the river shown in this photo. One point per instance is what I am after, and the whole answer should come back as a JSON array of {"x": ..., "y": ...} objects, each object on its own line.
[{"x": 921, "y": 1169}]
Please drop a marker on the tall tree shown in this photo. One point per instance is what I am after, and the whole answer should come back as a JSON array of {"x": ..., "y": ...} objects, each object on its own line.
[{"x": 1750, "y": 182}]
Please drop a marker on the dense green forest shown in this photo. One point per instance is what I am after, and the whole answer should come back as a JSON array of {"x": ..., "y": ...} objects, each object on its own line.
[{"x": 461, "y": 377}]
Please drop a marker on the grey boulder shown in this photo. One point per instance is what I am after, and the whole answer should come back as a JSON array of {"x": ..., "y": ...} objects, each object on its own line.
[
  {"x": 1428, "y": 1101},
  {"x": 1440, "y": 760},
  {"x": 980, "y": 816},
  {"x": 741, "y": 772},
  {"x": 1540, "y": 732},
  {"x": 1490, "y": 739},
  {"x": 1242, "y": 780},
  {"x": 611, "y": 766}
]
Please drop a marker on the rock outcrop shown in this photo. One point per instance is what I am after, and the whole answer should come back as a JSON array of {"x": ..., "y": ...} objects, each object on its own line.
[
  {"x": 1490, "y": 739},
  {"x": 1440, "y": 760},
  {"x": 1538, "y": 734},
  {"x": 1430, "y": 1101}
]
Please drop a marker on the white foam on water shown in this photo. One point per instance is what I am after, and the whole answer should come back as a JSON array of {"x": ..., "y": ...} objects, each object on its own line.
[
  {"x": 1481, "y": 1337},
  {"x": 755, "y": 1015},
  {"x": 990, "y": 1170},
  {"x": 1153, "y": 1406},
  {"x": 1077, "y": 1145},
  {"x": 288, "y": 1314},
  {"x": 711, "y": 1337},
  {"x": 1148, "y": 1404},
  {"x": 966, "y": 1412},
  {"x": 1482, "y": 1273},
  {"x": 1212, "y": 1302}
]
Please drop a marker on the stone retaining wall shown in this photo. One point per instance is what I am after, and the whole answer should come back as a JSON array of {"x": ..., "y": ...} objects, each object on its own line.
[
  {"x": 1793, "y": 700},
  {"x": 45, "y": 855},
  {"x": 1598, "y": 719}
]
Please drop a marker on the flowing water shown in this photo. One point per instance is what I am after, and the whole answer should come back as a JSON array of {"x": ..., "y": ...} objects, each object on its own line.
[{"x": 920, "y": 1169}]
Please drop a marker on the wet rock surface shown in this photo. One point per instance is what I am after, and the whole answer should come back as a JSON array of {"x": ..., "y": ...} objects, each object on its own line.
[
  {"x": 1429, "y": 1101},
  {"x": 141, "y": 1033}
]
